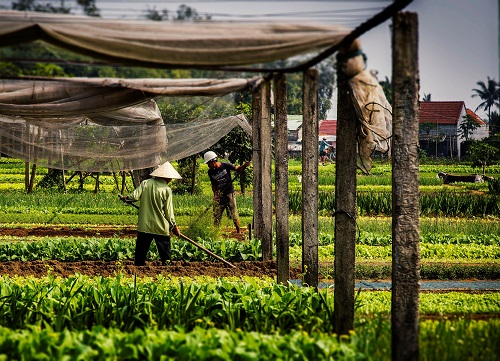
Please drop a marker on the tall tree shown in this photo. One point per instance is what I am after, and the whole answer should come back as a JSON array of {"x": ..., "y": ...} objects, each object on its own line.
[
  {"x": 482, "y": 154},
  {"x": 155, "y": 15},
  {"x": 467, "y": 126},
  {"x": 489, "y": 94},
  {"x": 325, "y": 88},
  {"x": 183, "y": 13},
  {"x": 88, "y": 6},
  {"x": 33, "y": 5}
]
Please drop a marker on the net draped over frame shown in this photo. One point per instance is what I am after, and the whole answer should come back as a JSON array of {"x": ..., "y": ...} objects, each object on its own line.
[
  {"x": 108, "y": 125},
  {"x": 373, "y": 111},
  {"x": 177, "y": 43}
]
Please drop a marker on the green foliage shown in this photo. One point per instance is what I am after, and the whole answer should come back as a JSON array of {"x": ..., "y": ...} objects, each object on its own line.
[
  {"x": 482, "y": 154},
  {"x": 386, "y": 85},
  {"x": 72, "y": 249},
  {"x": 451, "y": 204},
  {"x": 467, "y": 126},
  {"x": 494, "y": 186},
  {"x": 201, "y": 225},
  {"x": 189, "y": 169}
]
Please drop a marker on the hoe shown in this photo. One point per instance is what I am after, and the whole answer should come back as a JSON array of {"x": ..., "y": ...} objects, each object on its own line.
[{"x": 191, "y": 241}]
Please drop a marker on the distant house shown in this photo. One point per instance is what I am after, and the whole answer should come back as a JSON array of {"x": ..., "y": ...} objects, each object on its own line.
[
  {"x": 439, "y": 124},
  {"x": 328, "y": 130},
  {"x": 294, "y": 126}
]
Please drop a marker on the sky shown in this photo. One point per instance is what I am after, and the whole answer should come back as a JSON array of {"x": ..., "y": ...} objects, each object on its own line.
[
  {"x": 458, "y": 39},
  {"x": 458, "y": 46}
]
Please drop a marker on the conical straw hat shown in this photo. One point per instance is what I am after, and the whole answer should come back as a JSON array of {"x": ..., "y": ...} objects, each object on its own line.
[{"x": 166, "y": 170}]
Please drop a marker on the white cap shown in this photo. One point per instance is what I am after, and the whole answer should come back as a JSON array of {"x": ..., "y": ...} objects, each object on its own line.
[
  {"x": 166, "y": 170},
  {"x": 208, "y": 156}
]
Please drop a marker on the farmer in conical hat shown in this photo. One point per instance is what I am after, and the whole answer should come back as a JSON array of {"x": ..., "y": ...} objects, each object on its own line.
[{"x": 156, "y": 214}]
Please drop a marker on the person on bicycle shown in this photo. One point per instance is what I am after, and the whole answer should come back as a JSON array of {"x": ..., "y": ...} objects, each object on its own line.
[{"x": 323, "y": 149}]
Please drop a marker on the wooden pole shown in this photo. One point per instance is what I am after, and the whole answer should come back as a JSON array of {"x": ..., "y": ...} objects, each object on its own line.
[
  {"x": 193, "y": 175},
  {"x": 310, "y": 178},
  {"x": 345, "y": 209},
  {"x": 405, "y": 192},
  {"x": 256, "y": 160},
  {"x": 267, "y": 185},
  {"x": 263, "y": 199},
  {"x": 32, "y": 178},
  {"x": 281, "y": 178},
  {"x": 27, "y": 150}
]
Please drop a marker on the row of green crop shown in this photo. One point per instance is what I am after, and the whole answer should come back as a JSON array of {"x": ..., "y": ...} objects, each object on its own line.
[
  {"x": 12, "y": 174},
  {"x": 433, "y": 252},
  {"x": 448, "y": 204},
  {"x": 127, "y": 303},
  {"x": 115, "y": 249},
  {"x": 224, "y": 319},
  {"x": 455, "y": 227},
  {"x": 475, "y": 340},
  {"x": 380, "y": 239}
]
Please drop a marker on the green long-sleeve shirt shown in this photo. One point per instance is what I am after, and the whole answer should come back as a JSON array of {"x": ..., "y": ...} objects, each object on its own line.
[{"x": 156, "y": 211}]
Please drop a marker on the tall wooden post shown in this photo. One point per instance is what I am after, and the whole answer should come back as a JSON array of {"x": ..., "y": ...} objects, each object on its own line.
[
  {"x": 27, "y": 150},
  {"x": 262, "y": 162},
  {"x": 281, "y": 178},
  {"x": 256, "y": 160},
  {"x": 345, "y": 208},
  {"x": 310, "y": 178},
  {"x": 405, "y": 192}
]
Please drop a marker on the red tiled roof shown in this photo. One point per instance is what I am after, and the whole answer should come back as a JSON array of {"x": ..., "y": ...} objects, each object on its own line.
[
  {"x": 328, "y": 127},
  {"x": 476, "y": 117},
  {"x": 445, "y": 112}
]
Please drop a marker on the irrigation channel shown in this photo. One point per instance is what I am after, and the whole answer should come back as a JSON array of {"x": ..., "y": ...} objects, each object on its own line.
[{"x": 424, "y": 285}]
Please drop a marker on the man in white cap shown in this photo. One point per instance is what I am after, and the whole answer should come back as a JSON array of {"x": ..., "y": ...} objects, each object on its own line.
[
  {"x": 222, "y": 186},
  {"x": 156, "y": 214}
]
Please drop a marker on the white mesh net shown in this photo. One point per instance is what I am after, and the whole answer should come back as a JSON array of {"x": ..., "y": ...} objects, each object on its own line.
[{"x": 52, "y": 124}]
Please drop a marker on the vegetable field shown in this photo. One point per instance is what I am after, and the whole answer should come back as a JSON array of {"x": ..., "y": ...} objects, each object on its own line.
[{"x": 69, "y": 290}]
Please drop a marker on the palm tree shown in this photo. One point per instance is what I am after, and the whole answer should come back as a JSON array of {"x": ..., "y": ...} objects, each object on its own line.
[{"x": 490, "y": 94}]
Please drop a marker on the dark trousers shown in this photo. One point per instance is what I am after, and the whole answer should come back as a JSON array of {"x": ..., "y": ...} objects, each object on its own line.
[{"x": 142, "y": 247}]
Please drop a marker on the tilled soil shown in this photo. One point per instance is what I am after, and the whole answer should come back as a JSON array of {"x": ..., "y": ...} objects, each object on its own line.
[
  {"x": 152, "y": 269},
  {"x": 63, "y": 231},
  {"x": 94, "y": 268}
]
